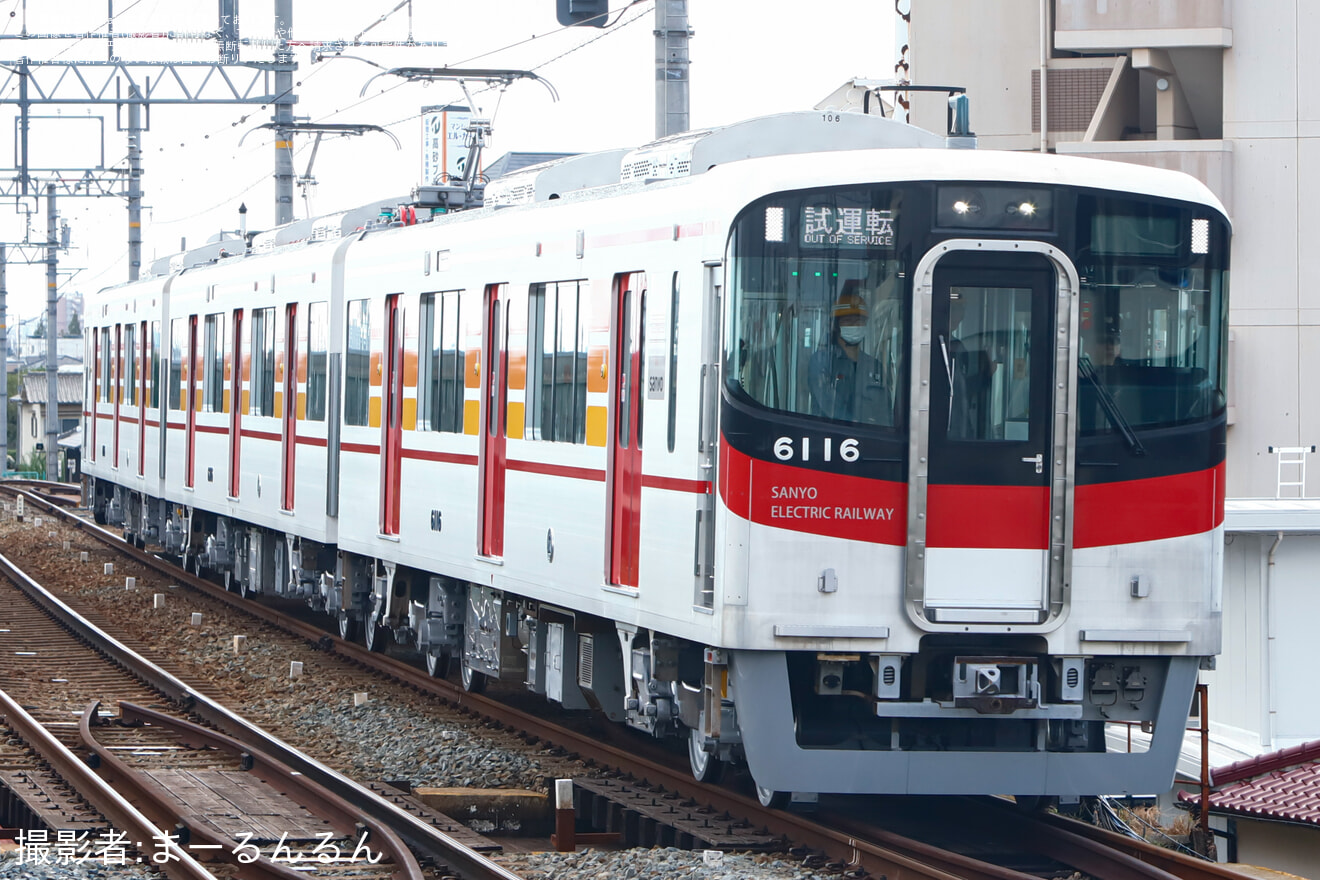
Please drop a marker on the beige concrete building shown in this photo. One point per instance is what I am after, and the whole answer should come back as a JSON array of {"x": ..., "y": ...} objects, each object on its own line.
[{"x": 1225, "y": 90}]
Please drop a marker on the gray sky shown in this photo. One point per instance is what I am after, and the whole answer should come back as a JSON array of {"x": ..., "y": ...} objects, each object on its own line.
[{"x": 749, "y": 58}]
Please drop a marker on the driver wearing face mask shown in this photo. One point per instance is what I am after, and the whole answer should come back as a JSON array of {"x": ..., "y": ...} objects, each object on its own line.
[{"x": 845, "y": 378}]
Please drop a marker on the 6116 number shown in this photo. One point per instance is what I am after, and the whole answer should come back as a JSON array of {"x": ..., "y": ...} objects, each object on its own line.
[{"x": 786, "y": 449}]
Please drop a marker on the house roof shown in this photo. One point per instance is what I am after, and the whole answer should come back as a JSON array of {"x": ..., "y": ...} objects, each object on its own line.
[
  {"x": 1283, "y": 786},
  {"x": 68, "y": 386},
  {"x": 510, "y": 162}
]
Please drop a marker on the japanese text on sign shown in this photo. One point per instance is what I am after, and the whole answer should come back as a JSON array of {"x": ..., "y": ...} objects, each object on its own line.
[{"x": 839, "y": 226}]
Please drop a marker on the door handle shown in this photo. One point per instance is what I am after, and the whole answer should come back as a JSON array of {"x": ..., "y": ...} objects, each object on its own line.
[{"x": 1038, "y": 460}]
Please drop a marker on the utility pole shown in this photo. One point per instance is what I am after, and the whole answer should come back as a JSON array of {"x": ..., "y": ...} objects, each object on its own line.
[
  {"x": 283, "y": 119},
  {"x": 4, "y": 366},
  {"x": 134, "y": 183},
  {"x": 52, "y": 347},
  {"x": 671, "y": 67}
]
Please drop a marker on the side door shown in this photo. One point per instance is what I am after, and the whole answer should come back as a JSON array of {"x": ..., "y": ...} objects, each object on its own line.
[
  {"x": 988, "y": 517},
  {"x": 289, "y": 451},
  {"x": 625, "y": 443},
  {"x": 236, "y": 407},
  {"x": 391, "y": 441},
  {"x": 144, "y": 370},
  {"x": 190, "y": 443},
  {"x": 117, "y": 388},
  {"x": 493, "y": 414}
]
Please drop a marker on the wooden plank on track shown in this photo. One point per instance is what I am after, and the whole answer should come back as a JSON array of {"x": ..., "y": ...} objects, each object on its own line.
[{"x": 237, "y": 804}]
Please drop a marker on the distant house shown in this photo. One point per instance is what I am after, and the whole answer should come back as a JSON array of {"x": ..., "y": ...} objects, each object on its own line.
[
  {"x": 32, "y": 410},
  {"x": 511, "y": 162},
  {"x": 1269, "y": 810}
]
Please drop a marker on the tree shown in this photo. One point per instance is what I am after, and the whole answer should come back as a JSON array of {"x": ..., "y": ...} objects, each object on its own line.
[
  {"x": 74, "y": 329},
  {"x": 40, "y": 332}
]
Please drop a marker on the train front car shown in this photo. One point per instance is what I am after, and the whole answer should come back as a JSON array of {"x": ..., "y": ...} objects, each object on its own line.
[{"x": 972, "y": 474}]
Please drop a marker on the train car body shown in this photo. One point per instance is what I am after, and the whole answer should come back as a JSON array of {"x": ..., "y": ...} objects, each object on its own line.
[{"x": 880, "y": 466}]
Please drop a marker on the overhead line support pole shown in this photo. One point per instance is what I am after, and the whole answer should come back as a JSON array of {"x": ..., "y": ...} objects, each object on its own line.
[
  {"x": 671, "y": 67},
  {"x": 52, "y": 357},
  {"x": 284, "y": 100},
  {"x": 134, "y": 183},
  {"x": 4, "y": 365}
]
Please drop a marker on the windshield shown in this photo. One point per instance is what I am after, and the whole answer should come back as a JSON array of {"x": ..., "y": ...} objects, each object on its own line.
[
  {"x": 817, "y": 325},
  {"x": 1154, "y": 315}
]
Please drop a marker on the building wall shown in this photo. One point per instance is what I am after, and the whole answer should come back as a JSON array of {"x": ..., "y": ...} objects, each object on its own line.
[{"x": 1290, "y": 848}]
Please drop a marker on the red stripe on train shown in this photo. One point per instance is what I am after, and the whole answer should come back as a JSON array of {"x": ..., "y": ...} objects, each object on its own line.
[
  {"x": 816, "y": 502},
  {"x": 860, "y": 509},
  {"x": 1148, "y": 510}
]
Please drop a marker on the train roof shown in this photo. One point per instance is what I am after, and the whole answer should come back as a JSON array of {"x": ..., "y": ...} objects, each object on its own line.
[{"x": 755, "y": 157}]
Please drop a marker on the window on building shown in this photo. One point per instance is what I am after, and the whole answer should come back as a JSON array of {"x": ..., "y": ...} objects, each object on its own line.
[
  {"x": 178, "y": 338},
  {"x": 357, "y": 364},
  {"x": 318, "y": 344},
  {"x": 130, "y": 365},
  {"x": 262, "y": 387},
  {"x": 557, "y": 363},
  {"x": 213, "y": 364},
  {"x": 440, "y": 364}
]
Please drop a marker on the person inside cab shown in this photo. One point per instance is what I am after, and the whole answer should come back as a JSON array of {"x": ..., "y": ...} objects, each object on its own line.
[{"x": 846, "y": 379}]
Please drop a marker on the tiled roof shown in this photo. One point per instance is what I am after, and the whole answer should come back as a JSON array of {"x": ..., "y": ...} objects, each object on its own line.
[
  {"x": 1283, "y": 785},
  {"x": 68, "y": 386}
]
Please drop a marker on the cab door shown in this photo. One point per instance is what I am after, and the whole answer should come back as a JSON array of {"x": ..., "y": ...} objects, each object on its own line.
[
  {"x": 991, "y": 473},
  {"x": 625, "y": 472},
  {"x": 493, "y": 413}
]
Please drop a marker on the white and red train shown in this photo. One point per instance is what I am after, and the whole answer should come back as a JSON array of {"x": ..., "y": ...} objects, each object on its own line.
[{"x": 875, "y": 465}]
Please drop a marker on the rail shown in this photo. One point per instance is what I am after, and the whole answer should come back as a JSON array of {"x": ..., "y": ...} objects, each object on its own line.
[
  {"x": 863, "y": 850},
  {"x": 98, "y": 793},
  {"x": 425, "y": 838},
  {"x": 335, "y": 809}
]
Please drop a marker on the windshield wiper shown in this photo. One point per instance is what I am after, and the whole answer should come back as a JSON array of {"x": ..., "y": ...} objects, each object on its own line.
[{"x": 1116, "y": 418}]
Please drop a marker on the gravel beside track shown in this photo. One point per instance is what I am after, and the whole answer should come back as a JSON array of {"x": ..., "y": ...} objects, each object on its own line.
[
  {"x": 655, "y": 864},
  {"x": 11, "y": 866},
  {"x": 396, "y": 735}
]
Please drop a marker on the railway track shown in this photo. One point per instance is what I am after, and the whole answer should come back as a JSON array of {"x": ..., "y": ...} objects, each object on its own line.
[
  {"x": 847, "y": 847},
  {"x": 52, "y": 658}
]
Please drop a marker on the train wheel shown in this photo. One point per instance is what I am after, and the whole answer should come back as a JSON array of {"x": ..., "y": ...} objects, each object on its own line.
[
  {"x": 438, "y": 662},
  {"x": 196, "y": 566},
  {"x": 771, "y": 799},
  {"x": 473, "y": 682},
  {"x": 705, "y": 766},
  {"x": 347, "y": 627},
  {"x": 375, "y": 636}
]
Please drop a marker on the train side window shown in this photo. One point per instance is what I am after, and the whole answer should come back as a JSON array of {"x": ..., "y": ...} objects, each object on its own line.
[
  {"x": 357, "y": 364},
  {"x": 105, "y": 365},
  {"x": 439, "y": 364},
  {"x": 153, "y": 378},
  {"x": 213, "y": 363},
  {"x": 174, "y": 394},
  {"x": 130, "y": 365},
  {"x": 556, "y": 363},
  {"x": 428, "y": 362},
  {"x": 452, "y": 361},
  {"x": 318, "y": 344},
  {"x": 263, "y": 362},
  {"x": 539, "y": 365}
]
